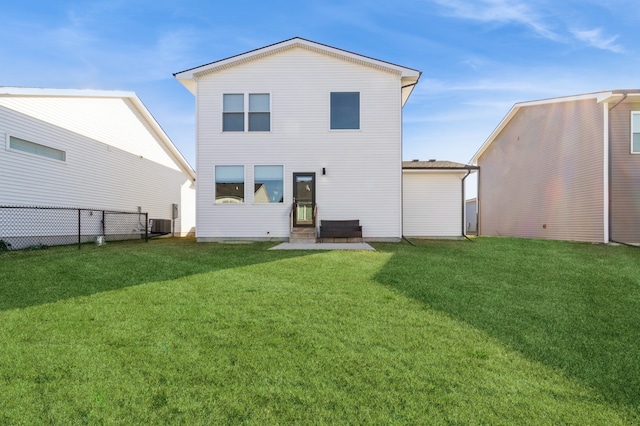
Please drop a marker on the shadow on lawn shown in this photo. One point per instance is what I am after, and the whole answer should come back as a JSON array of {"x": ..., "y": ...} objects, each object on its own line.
[
  {"x": 573, "y": 307},
  {"x": 47, "y": 276}
]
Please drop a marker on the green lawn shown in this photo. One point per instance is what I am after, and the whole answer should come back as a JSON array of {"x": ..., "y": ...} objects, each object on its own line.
[{"x": 496, "y": 331}]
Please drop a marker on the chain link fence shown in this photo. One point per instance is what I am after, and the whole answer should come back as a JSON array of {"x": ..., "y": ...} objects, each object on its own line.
[{"x": 28, "y": 227}]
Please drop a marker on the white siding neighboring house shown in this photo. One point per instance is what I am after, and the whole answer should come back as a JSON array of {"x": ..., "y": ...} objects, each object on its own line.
[
  {"x": 294, "y": 133},
  {"x": 91, "y": 149},
  {"x": 471, "y": 216},
  {"x": 433, "y": 198}
]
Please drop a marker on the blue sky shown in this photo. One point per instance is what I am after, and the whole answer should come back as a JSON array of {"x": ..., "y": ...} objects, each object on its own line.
[{"x": 477, "y": 57}]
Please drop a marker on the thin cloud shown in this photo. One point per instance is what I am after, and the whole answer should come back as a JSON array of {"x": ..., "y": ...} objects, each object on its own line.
[
  {"x": 596, "y": 38},
  {"x": 500, "y": 11},
  {"x": 525, "y": 14}
]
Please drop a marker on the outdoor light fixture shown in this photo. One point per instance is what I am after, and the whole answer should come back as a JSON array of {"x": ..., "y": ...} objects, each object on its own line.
[{"x": 324, "y": 171}]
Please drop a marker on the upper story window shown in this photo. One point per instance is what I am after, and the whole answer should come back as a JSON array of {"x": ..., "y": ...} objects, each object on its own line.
[
  {"x": 235, "y": 118},
  {"x": 345, "y": 110},
  {"x": 635, "y": 132},
  {"x": 229, "y": 184},
  {"x": 259, "y": 112},
  {"x": 36, "y": 149},
  {"x": 233, "y": 113}
]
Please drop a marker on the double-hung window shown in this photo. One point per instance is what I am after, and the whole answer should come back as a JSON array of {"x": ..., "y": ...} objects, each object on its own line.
[
  {"x": 229, "y": 184},
  {"x": 252, "y": 112},
  {"x": 233, "y": 113},
  {"x": 635, "y": 132},
  {"x": 345, "y": 110}
]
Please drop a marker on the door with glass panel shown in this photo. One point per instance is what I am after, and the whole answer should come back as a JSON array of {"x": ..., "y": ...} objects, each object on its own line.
[{"x": 304, "y": 199}]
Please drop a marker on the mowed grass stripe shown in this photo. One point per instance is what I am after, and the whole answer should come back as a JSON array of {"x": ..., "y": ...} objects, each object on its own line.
[{"x": 317, "y": 338}]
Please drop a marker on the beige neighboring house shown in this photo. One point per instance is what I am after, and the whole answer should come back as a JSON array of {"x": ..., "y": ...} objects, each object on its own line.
[
  {"x": 433, "y": 197},
  {"x": 91, "y": 149},
  {"x": 565, "y": 168}
]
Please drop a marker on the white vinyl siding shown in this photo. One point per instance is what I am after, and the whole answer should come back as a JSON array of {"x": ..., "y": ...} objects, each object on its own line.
[
  {"x": 363, "y": 169},
  {"x": 137, "y": 171},
  {"x": 112, "y": 121},
  {"x": 432, "y": 203}
]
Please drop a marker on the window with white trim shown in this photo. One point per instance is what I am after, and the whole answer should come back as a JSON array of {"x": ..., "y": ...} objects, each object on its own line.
[
  {"x": 233, "y": 113},
  {"x": 36, "y": 149},
  {"x": 229, "y": 184},
  {"x": 635, "y": 132},
  {"x": 252, "y": 112},
  {"x": 345, "y": 110},
  {"x": 268, "y": 184}
]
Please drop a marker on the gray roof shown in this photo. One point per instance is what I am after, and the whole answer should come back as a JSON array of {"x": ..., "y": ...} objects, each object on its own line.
[{"x": 436, "y": 164}]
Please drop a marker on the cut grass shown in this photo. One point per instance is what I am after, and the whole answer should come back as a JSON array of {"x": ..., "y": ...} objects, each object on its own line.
[{"x": 444, "y": 332}]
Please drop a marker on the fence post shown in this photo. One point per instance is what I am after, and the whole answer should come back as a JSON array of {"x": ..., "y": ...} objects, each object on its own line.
[
  {"x": 79, "y": 229},
  {"x": 146, "y": 227}
]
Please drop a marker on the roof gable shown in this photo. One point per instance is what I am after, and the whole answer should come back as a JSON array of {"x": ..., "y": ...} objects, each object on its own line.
[
  {"x": 409, "y": 76},
  {"x": 99, "y": 115},
  {"x": 599, "y": 97}
]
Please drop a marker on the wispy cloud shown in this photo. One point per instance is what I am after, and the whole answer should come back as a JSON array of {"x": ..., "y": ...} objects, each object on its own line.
[
  {"x": 544, "y": 20},
  {"x": 500, "y": 11},
  {"x": 596, "y": 38}
]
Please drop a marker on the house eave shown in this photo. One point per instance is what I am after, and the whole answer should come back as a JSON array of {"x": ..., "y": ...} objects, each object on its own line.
[
  {"x": 43, "y": 92},
  {"x": 409, "y": 77},
  {"x": 440, "y": 170},
  {"x": 599, "y": 97}
]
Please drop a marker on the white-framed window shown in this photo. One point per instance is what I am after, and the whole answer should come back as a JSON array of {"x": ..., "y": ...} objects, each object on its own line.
[
  {"x": 268, "y": 182},
  {"x": 22, "y": 145},
  {"x": 635, "y": 132},
  {"x": 252, "y": 112},
  {"x": 229, "y": 184},
  {"x": 233, "y": 112},
  {"x": 345, "y": 110}
]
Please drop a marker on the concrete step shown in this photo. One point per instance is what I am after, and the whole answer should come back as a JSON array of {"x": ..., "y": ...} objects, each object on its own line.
[
  {"x": 298, "y": 240},
  {"x": 302, "y": 236}
]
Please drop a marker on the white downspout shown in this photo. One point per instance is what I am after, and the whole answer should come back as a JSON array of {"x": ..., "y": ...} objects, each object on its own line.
[{"x": 605, "y": 173}]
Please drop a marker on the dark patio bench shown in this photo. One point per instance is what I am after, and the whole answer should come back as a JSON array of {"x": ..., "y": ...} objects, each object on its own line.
[{"x": 340, "y": 229}]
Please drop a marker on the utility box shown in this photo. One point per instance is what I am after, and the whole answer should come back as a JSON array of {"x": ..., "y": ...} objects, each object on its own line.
[{"x": 174, "y": 211}]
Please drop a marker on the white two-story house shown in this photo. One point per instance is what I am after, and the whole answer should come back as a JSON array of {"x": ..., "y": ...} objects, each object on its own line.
[{"x": 294, "y": 133}]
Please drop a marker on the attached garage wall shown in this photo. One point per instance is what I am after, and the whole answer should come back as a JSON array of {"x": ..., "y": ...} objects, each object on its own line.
[{"x": 432, "y": 203}]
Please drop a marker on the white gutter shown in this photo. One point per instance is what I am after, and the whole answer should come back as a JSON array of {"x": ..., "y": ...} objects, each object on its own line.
[{"x": 605, "y": 166}]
